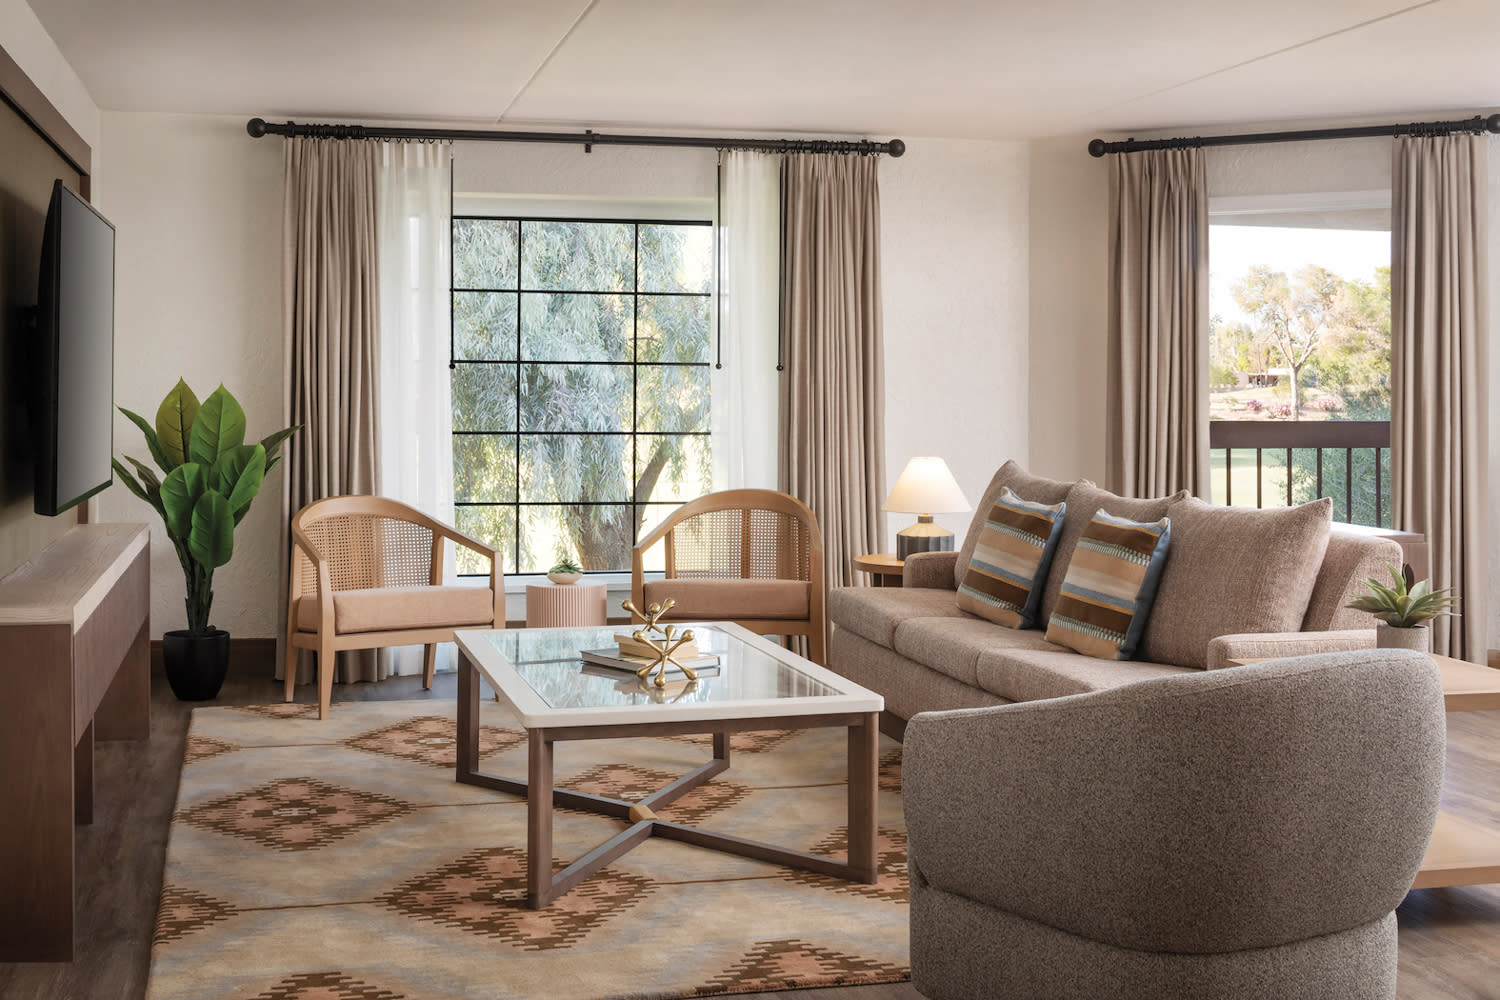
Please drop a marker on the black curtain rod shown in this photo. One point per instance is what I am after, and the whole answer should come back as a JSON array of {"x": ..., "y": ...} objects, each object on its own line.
[
  {"x": 258, "y": 127},
  {"x": 1476, "y": 125}
]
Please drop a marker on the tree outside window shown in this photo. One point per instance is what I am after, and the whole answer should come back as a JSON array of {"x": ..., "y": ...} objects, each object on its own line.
[{"x": 580, "y": 383}]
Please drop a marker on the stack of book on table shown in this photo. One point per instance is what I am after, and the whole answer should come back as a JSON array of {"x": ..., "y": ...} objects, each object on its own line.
[{"x": 631, "y": 654}]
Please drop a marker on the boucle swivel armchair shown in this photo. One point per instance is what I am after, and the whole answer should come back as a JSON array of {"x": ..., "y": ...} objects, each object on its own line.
[{"x": 1243, "y": 833}]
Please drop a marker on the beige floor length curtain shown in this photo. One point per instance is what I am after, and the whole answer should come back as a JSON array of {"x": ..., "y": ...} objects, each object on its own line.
[
  {"x": 1439, "y": 367},
  {"x": 330, "y": 331},
  {"x": 1158, "y": 323},
  {"x": 832, "y": 409}
]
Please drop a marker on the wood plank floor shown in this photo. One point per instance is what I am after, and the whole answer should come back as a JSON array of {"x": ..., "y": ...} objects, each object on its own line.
[{"x": 1449, "y": 938}]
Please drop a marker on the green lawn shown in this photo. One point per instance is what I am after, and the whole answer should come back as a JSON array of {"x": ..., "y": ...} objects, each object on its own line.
[{"x": 1273, "y": 486}]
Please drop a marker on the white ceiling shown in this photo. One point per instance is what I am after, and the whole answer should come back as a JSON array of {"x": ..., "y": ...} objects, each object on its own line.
[{"x": 959, "y": 68}]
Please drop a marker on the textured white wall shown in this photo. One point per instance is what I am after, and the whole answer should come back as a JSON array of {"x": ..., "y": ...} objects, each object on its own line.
[
  {"x": 196, "y": 205},
  {"x": 1069, "y": 260},
  {"x": 953, "y": 217},
  {"x": 27, "y": 42}
]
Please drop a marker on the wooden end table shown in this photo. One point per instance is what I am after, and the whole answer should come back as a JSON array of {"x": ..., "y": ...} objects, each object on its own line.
[
  {"x": 884, "y": 568},
  {"x": 759, "y": 686}
]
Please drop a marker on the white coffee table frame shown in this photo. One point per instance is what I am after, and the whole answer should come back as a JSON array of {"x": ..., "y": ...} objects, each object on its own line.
[{"x": 853, "y": 707}]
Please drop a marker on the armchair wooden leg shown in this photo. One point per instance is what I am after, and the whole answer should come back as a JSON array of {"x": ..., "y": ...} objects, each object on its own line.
[
  {"x": 326, "y": 666},
  {"x": 429, "y": 665}
]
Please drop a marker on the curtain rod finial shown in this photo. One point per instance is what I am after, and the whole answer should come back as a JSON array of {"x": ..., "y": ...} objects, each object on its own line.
[
  {"x": 1096, "y": 147},
  {"x": 256, "y": 127},
  {"x": 897, "y": 147},
  {"x": 1492, "y": 123}
]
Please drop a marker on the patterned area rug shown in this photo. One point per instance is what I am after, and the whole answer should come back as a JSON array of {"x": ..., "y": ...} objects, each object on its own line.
[{"x": 341, "y": 861}]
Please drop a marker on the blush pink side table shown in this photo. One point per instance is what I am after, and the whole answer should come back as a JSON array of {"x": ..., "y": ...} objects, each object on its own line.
[{"x": 553, "y": 605}]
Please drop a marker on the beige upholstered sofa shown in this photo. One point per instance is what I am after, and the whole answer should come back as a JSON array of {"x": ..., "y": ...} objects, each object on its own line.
[
  {"x": 1231, "y": 834},
  {"x": 1238, "y": 583}
]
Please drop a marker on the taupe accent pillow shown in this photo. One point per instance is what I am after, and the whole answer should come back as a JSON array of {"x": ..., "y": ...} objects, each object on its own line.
[
  {"x": 1037, "y": 489},
  {"x": 1085, "y": 500},
  {"x": 1232, "y": 570}
]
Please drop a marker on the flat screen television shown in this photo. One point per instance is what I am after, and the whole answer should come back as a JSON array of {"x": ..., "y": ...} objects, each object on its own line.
[{"x": 73, "y": 419}]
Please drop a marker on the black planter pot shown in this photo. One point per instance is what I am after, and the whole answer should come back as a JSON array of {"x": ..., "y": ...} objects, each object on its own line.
[{"x": 195, "y": 664}]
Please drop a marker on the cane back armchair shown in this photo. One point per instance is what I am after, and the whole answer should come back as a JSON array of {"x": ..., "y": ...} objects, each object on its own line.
[
  {"x": 367, "y": 572},
  {"x": 753, "y": 557}
]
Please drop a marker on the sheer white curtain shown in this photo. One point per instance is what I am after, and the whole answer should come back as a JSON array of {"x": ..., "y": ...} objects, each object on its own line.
[
  {"x": 745, "y": 387},
  {"x": 414, "y": 229}
]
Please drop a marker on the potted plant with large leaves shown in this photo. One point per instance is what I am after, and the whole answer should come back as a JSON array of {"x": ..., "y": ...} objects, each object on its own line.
[{"x": 209, "y": 476}]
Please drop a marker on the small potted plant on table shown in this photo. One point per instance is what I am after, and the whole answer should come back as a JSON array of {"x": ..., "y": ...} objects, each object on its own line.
[
  {"x": 566, "y": 571},
  {"x": 209, "y": 478},
  {"x": 1404, "y": 613}
]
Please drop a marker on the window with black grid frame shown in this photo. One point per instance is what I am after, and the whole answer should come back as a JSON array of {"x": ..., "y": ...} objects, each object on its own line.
[{"x": 580, "y": 384}]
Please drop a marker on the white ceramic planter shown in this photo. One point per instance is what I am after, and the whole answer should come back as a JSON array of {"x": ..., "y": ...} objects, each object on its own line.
[
  {"x": 1389, "y": 637},
  {"x": 565, "y": 578}
]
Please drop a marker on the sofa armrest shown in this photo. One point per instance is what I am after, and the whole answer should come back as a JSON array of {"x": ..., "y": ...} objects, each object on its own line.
[
  {"x": 929, "y": 569},
  {"x": 1276, "y": 645}
]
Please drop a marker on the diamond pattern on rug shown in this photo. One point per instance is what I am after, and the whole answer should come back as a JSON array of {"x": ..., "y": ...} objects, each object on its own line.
[
  {"x": 741, "y": 742},
  {"x": 184, "y": 911},
  {"x": 793, "y": 964},
  {"x": 295, "y": 814},
  {"x": 890, "y": 771},
  {"x": 326, "y": 986},
  {"x": 890, "y": 866},
  {"x": 202, "y": 748},
  {"x": 484, "y": 892},
  {"x": 632, "y": 783},
  {"x": 431, "y": 740},
  {"x": 281, "y": 710}
]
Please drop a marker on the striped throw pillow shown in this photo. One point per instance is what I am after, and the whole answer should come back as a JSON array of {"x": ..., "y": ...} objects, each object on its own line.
[
  {"x": 1109, "y": 587},
  {"x": 1004, "y": 580}
]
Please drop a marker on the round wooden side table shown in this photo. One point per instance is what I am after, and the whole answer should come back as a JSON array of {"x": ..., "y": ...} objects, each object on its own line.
[
  {"x": 557, "y": 605},
  {"x": 884, "y": 568}
]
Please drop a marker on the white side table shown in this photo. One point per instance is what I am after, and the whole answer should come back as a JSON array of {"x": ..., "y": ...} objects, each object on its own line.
[{"x": 573, "y": 605}]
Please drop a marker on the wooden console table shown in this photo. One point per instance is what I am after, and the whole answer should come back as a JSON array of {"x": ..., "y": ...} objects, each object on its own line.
[{"x": 75, "y": 659}]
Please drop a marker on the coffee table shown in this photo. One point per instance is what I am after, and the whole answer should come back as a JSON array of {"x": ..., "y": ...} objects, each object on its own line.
[{"x": 759, "y": 686}]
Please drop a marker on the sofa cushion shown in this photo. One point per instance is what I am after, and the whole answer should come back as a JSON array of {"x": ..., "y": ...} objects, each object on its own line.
[
  {"x": 1352, "y": 558},
  {"x": 382, "y": 609},
  {"x": 1037, "y": 489},
  {"x": 1084, "y": 501},
  {"x": 1010, "y": 560},
  {"x": 1022, "y": 673},
  {"x": 1109, "y": 586},
  {"x": 1234, "y": 570},
  {"x": 953, "y": 646},
  {"x": 874, "y": 612},
  {"x": 759, "y": 600}
]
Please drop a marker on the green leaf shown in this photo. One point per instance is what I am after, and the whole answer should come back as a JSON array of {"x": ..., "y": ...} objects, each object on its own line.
[
  {"x": 211, "y": 540},
  {"x": 129, "y": 480},
  {"x": 174, "y": 423},
  {"x": 238, "y": 474},
  {"x": 272, "y": 443},
  {"x": 180, "y": 493},
  {"x": 218, "y": 428},
  {"x": 153, "y": 442}
]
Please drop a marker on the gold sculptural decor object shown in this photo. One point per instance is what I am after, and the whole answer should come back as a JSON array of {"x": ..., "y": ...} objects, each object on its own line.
[{"x": 663, "y": 642}]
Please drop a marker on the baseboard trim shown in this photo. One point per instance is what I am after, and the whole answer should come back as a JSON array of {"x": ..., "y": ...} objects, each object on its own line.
[{"x": 247, "y": 657}]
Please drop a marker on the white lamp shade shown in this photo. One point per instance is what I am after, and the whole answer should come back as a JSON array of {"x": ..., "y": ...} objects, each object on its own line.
[{"x": 927, "y": 487}]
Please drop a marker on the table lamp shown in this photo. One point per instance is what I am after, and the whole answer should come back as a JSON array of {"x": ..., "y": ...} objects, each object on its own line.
[{"x": 925, "y": 488}]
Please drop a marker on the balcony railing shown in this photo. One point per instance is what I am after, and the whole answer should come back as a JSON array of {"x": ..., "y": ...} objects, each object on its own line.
[{"x": 1280, "y": 463}]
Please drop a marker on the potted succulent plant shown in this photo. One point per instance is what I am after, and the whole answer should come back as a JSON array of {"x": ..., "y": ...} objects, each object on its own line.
[
  {"x": 1403, "y": 613},
  {"x": 209, "y": 476},
  {"x": 566, "y": 571}
]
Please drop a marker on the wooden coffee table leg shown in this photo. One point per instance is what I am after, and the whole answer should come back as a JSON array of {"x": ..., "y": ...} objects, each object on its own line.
[
  {"x": 721, "y": 747},
  {"x": 864, "y": 767},
  {"x": 468, "y": 717},
  {"x": 539, "y": 887}
]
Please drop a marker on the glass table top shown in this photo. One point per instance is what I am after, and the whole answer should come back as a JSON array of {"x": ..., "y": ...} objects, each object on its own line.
[{"x": 548, "y": 661}]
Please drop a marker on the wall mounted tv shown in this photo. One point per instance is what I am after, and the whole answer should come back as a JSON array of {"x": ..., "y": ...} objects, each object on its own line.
[{"x": 73, "y": 419}]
